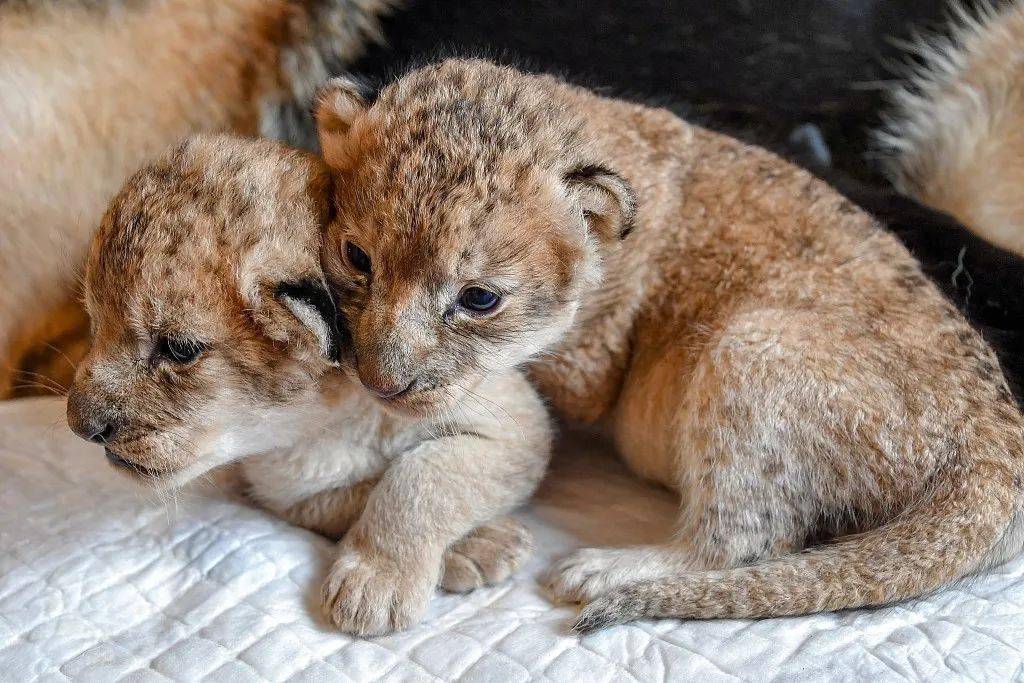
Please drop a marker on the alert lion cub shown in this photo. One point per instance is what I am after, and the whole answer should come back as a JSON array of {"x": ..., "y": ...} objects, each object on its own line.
[
  {"x": 754, "y": 341},
  {"x": 215, "y": 340}
]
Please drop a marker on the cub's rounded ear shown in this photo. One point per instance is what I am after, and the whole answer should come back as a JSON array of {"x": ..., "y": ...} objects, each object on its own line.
[
  {"x": 310, "y": 302},
  {"x": 338, "y": 102},
  {"x": 607, "y": 199}
]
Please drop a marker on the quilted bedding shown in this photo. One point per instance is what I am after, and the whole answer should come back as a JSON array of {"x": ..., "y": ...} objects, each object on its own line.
[{"x": 100, "y": 583}]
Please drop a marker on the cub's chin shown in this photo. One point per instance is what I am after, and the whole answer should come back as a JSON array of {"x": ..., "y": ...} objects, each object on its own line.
[
  {"x": 134, "y": 469},
  {"x": 420, "y": 405},
  {"x": 445, "y": 403},
  {"x": 186, "y": 467}
]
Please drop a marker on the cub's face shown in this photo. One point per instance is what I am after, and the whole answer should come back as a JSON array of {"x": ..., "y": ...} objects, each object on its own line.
[
  {"x": 463, "y": 241},
  {"x": 211, "y": 323}
]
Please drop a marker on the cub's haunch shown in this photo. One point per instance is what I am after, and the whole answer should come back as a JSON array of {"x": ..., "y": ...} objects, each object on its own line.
[{"x": 753, "y": 340}]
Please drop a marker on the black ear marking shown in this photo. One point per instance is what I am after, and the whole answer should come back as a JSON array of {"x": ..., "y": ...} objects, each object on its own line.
[
  {"x": 585, "y": 172},
  {"x": 363, "y": 90},
  {"x": 612, "y": 185},
  {"x": 310, "y": 302}
]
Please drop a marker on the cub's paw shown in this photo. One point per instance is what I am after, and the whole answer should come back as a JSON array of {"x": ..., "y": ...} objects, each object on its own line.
[
  {"x": 368, "y": 594},
  {"x": 486, "y": 556},
  {"x": 590, "y": 572}
]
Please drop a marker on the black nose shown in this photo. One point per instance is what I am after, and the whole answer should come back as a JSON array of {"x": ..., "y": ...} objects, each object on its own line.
[
  {"x": 104, "y": 433},
  {"x": 90, "y": 416},
  {"x": 93, "y": 429},
  {"x": 388, "y": 390}
]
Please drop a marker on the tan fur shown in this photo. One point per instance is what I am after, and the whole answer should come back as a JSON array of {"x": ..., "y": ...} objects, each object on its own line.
[
  {"x": 756, "y": 342},
  {"x": 215, "y": 248},
  {"x": 953, "y": 138},
  {"x": 90, "y": 91},
  {"x": 486, "y": 556}
]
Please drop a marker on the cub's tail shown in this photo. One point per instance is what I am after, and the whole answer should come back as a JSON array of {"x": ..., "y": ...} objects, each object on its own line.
[
  {"x": 953, "y": 136},
  {"x": 963, "y": 525}
]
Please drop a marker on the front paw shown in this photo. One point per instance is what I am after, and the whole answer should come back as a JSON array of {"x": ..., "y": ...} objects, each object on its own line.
[
  {"x": 589, "y": 572},
  {"x": 486, "y": 556},
  {"x": 367, "y": 593}
]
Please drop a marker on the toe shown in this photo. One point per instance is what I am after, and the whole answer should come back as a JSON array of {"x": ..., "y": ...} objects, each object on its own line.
[
  {"x": 406, "y": 613},
  {"x": 487, "y": 556},
  {"x": 461, "y": 574},
  {"x": 587, "y": 573},
  {"x": 561, "y": 581}
]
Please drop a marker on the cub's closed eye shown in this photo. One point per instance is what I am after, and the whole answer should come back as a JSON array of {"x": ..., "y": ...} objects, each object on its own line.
[
  {"x": 179, "y": 351},
  {"x": 357, "y": 257},
  {"x": 478, "y": 299}
]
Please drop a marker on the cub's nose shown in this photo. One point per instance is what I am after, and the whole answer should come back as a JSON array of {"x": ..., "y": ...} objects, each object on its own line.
[
  {"x": 94, "y": 429},
  {"x": 88, "y": 422},
  {"x": 103, "y": 433}
]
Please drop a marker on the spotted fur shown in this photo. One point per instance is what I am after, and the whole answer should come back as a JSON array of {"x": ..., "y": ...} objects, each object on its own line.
[
  {"x": 92, "y": 89},
  {"x": 217, "y": 245},
  {"x": 756, "y": 343}
]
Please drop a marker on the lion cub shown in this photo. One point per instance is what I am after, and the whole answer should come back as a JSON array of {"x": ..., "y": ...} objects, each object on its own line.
[
  {"x": 753, "y": 340},
  {"x": 215, "y": 340}
]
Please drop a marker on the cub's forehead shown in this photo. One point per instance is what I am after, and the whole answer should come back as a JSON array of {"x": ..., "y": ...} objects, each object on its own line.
[
  {"x": 156, "y": 223},
  {"x": 202, "y": 206}
]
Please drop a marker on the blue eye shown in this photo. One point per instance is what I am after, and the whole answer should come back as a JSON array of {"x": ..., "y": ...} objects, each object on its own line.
[{"x": 478, "y": 299}]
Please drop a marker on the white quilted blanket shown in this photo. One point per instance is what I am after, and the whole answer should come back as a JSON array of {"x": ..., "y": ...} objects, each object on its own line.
[{"x": 98, "y": 583}]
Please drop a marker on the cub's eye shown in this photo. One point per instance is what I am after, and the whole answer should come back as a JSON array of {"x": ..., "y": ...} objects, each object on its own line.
[
  {"x": 357, "y": 257},
  {"x": 179, "y": 351},
  {"x": 478, "y": 299}
]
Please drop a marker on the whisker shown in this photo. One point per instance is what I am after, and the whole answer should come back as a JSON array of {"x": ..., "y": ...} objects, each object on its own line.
[
  {"x": 71, "y": 364},
  {"x": 39, "y": 385},
  {"x": 41, "y": 377},
  {"x": 480, "y": 399}
]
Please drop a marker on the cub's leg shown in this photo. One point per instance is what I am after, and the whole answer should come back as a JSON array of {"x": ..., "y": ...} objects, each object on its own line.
[
  {"x": 331, "y": 513},
  {"x": 486, "y": 556},
  {"x": 429, "y": 498},
  {"x": 771, "y": 431}
]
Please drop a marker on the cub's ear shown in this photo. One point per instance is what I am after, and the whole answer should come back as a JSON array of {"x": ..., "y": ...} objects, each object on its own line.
[
  {"x": 338, "y": 102},
  {"x": 309, "y": 301},
  {"x": 607, "y": 199}
]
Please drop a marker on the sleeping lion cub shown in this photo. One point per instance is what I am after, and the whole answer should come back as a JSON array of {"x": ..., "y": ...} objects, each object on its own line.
[
  {"x": 753, "y": 340},
  {"x": 215, "y": 340}
]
